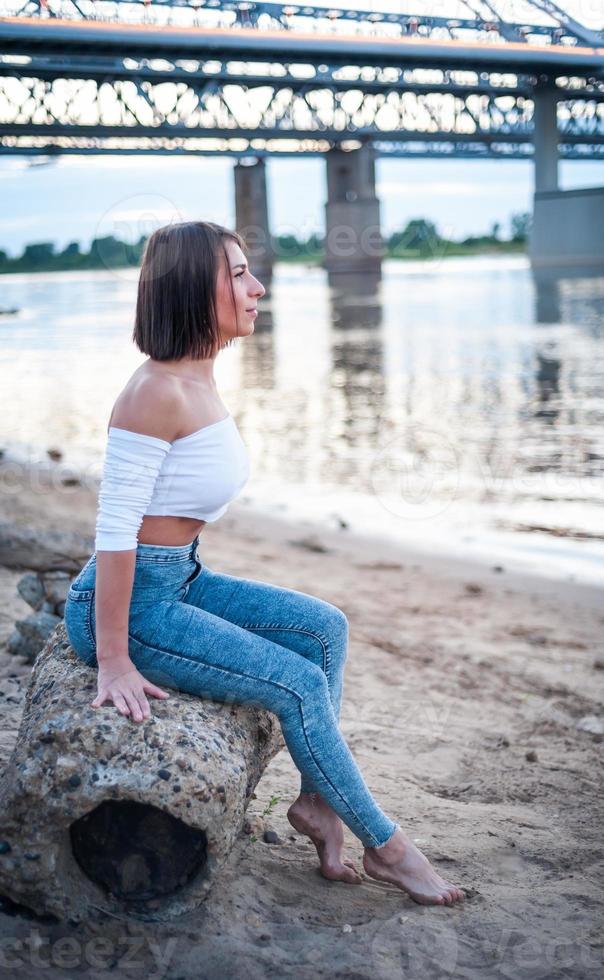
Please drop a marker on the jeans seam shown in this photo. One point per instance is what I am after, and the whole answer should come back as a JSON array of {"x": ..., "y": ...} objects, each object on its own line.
[
  {"x": 228, "y": 602},
  {"x": 88, "y": 620},
  {"x": 162, "y": 561},
  {"x": 345, "y": 802},
  {"x": 298, "y": 629},
  {"x": 299, "y": 698}
]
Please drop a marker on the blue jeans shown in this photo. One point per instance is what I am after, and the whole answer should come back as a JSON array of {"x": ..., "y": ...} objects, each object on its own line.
[{"x": 237, "y": 640}]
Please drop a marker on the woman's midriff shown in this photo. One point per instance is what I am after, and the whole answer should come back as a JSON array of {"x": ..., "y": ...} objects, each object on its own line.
[{"x": 169, "y": 531}]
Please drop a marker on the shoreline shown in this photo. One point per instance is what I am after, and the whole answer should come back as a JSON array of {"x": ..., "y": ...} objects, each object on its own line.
[
  {"x": 450, "y": 562},
  {"x": 442, "y": 251}
]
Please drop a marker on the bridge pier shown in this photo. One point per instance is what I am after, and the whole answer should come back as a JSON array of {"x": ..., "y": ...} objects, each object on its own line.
[
  {"x": 353, "y": 242},
  {"x": 251, "y": 218},
  {"x": 545, "y": 139},
  {"x": 567, "y": 235}
]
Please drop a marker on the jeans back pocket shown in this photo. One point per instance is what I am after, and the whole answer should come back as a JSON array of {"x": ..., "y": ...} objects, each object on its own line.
[{"x": 80, "y": 621}]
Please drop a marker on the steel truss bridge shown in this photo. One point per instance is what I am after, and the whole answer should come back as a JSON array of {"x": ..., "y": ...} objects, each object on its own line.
[{"x": 219, "y": 77}]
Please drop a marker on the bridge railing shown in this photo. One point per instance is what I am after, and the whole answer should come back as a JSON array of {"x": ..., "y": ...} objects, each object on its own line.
[{"x": 551, "y": 25}]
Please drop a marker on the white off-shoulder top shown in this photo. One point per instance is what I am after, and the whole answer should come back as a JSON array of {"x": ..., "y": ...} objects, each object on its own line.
[{"x": 195, "y": 476}]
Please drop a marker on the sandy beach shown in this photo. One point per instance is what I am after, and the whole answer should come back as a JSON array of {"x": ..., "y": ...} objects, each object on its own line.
[{"x": 466, "y": 693}]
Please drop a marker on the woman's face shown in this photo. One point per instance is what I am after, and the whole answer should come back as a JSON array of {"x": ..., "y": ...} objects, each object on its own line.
[{"x": 237, "y": 320}]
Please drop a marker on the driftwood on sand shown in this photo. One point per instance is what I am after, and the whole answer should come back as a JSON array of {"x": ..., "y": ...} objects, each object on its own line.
[{"x": 98, "y": 812}]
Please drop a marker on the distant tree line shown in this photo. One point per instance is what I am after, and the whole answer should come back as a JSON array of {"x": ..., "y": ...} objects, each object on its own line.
[
  {"x": 419, "y": 239},
  {"x": 108, "y": 252}
]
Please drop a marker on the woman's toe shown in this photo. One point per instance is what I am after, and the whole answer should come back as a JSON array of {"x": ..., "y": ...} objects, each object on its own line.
[
  {"x": 344, "y": 871},
  {"x": 351, "y": 874},
  {"x": 350, "y": 864}
]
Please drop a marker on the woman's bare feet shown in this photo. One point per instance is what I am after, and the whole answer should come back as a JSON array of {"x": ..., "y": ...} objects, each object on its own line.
[
  {"x": 400, "y": 862},
  {"x": 311, "y": 815}
]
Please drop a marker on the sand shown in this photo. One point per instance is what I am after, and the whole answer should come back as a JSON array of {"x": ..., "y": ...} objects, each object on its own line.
[{"x": 464, "y": 695}]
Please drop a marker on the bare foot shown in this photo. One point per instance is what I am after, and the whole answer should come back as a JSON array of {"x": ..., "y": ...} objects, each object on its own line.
[
  {"x": 401, "y": 863},
  {"x": 311, "y": 815}
]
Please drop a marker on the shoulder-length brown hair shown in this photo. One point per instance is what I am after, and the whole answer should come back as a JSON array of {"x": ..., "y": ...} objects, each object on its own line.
[{"x": 176, "y": 301}]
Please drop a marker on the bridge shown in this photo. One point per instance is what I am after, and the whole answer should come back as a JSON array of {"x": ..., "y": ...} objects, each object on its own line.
[{"x": 255, "y": 80}]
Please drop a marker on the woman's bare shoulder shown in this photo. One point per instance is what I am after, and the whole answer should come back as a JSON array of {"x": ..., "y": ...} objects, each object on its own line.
[{"x": 151, "y": 405}]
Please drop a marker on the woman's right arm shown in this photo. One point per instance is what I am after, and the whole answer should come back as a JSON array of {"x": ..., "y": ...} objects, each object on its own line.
[
  {"x": 114, "y": 579},
  {"x": 132, "y": 462},
  {"x": 119, "y": 681}
]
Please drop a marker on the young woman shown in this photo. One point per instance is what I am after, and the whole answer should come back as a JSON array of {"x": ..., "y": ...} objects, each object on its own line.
[{"x": 145, "y": 609}]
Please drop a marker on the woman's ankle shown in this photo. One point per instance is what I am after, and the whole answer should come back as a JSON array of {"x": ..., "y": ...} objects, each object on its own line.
[{"x": 393, "y": 845}]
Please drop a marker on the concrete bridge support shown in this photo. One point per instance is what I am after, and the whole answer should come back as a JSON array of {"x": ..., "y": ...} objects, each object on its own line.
[
  {"x": 353, "y": 242},
  {"x": 251, "y": 218},
  {"x": 567, "y": 236},
  {"x": 545, "y": 139}
]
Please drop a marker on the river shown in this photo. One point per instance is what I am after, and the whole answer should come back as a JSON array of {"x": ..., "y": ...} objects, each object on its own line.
[{"x": 438, "y": 411}]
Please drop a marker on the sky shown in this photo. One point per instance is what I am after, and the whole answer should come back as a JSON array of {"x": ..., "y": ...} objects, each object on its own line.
[{"x": 78, "y": 198}]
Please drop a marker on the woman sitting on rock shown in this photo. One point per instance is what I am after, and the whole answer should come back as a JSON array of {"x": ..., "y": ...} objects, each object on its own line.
[{"x": 174, "y": 461}]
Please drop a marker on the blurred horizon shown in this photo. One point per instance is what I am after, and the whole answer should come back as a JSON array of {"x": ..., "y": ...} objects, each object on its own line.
[{"x": 81, "y": 198}]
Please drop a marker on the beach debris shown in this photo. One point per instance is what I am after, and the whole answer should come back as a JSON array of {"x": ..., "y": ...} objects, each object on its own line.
[
  {"x": 254, "y": 825},
  {"x": 394, "y": 566},
  {"x": 494, "y": 741},
  {"x": 598, "y": 664},
  {"x": 473, "y": 589},
  {"x": 99, "y": 815},
  {"x": 341, "y": 522},
  {"x": 46, "y": 593},
  {"x": 531, "y": 756},
  {"x": 271, "y": 837},
  {"x": 529, "y": 634},
  {"x": 591, "y": 724},
  {"x": 310, "y": 543},
  {"x": 559, "y": 532}
]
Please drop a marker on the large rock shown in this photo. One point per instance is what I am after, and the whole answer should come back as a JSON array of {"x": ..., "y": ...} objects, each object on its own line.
[
  {"x": 43, "y": 550},
  {"x": 30, "y": 634},
  {"x": 98, "y": 812},
  {"x": 46, "y": 592}
]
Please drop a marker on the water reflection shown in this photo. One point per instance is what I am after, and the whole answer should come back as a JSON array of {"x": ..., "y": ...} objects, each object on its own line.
[
  {"x": 355, "y": 301},
  {"x": 574, "y": 294},
  {"x": 357, "y": 377},
  {"x": 547, "y": 377},
  {"x": 547, "y": 298},
  {"x": 258, "y": 359}
]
